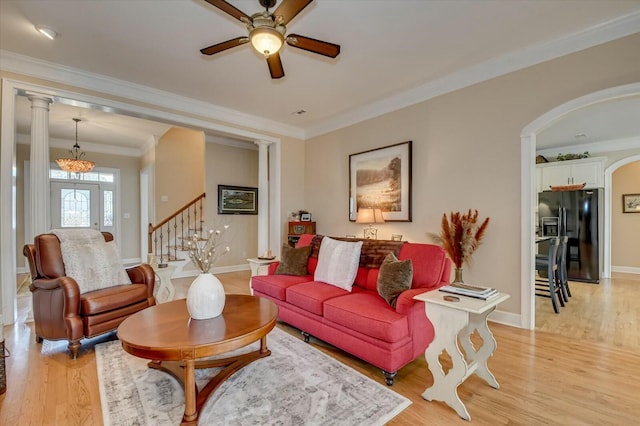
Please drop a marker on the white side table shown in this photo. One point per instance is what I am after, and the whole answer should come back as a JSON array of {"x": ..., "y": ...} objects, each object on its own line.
[
  {"x": 166, "y": 291},
  {"x": 255, "y": 264},
  {"x": 452, "y": 320}
]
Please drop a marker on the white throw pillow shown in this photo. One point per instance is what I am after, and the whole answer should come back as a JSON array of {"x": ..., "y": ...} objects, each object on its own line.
[{"x": 338, "y": 262}]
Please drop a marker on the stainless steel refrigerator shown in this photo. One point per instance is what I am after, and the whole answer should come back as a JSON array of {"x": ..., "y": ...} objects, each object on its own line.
[{"x": 578, "y": 215}]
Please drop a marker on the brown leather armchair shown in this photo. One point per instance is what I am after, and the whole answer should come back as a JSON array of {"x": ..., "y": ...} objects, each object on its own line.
[{"x": 61, "y": 312}]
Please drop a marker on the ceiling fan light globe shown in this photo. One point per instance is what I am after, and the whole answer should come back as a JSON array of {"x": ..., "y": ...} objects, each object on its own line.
[{"x": 267, "y": 40}]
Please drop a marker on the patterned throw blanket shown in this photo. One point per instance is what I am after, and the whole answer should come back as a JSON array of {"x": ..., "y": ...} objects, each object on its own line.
[
  {"x": 91, "y": 261},
  {"x": 372, "y": 252}
]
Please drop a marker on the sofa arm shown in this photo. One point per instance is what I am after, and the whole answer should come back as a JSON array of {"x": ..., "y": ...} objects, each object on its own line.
[
  {"x": 143, "y": 274},
  {"x": 406, "y": 301},
  {"x": 272, "y": 268},
  {"x": 56, "y": 308}
]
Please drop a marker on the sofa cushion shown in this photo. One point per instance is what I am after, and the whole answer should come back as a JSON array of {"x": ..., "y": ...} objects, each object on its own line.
[
  {"x": 311, "y": 296},
  {"x": 338, "y": 262},
  {"x": 394, "y": 277},
  {"x": 367, "y": 313},
  {"x": 107, "y": 299},
  {"x": 293, "y": 261},
  {"x": 429, "y": 262},
  {"x": 276, "y": 285}
]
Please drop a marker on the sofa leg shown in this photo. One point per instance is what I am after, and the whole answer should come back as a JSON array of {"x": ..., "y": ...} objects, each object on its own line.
[
  {"x": 389, "y": 377},
  {"x": 306, "y": 336},
  {"x": 73, "y": 347}
]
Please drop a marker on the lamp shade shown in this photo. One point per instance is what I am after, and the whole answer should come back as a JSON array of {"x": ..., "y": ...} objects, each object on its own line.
[
  {"x": 369, "y": 216},
  {"x": 266, "y": 40},
  {"x": 74, "y": 163}
]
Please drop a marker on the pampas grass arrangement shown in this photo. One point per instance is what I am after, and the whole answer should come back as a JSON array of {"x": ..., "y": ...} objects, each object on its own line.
[{"x": 460, "y": 236}]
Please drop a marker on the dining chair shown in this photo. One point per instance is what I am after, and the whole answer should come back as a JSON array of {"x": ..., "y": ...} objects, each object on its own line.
[
  {"x": 561, "y": 273},
  {"x": 548, "y": 265}
]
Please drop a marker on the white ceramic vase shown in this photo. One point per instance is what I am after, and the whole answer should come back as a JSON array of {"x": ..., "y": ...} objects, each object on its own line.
[{"x": 205, "y": 298}]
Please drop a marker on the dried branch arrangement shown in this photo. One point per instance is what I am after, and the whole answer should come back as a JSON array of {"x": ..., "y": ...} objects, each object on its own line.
[
  {"x": 205, "y": 255},
  {"x": 461, "y": 235}
]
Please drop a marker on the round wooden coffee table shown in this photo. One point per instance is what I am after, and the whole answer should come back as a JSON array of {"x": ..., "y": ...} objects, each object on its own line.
[{"x": 174, "y": 342}]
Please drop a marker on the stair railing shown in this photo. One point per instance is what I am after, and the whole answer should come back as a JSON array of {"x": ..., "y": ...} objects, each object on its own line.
[{"x": 170, "y": 234}]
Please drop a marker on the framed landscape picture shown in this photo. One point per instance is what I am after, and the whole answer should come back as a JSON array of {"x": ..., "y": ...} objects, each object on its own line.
[
  {"x": 237, "y": 200},
  {"x": 381, "y": 178},
  {"x": 631, "y": 203}
]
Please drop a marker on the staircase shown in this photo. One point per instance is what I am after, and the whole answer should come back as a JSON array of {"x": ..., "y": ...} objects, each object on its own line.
[{"x": 167, "y": 240}]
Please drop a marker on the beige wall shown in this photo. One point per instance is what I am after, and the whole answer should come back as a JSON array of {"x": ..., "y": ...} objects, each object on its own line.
[
  {"x": 625, "y": 227},
  {"x": 227, "y": 165},
  {"x": 466, "y": 154},
  {"x": 179, "y": 170},
  {"x": 129, "y": 197}
]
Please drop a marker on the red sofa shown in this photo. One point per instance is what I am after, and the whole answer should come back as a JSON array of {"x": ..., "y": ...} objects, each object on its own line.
[{"x": 361, "y": 322}]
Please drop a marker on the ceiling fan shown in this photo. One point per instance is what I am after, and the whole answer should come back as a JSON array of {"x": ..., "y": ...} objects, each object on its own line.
[{"x": 267, "y": 32}]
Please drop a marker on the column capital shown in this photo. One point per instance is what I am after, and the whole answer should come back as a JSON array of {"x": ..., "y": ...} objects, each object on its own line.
[
  {"x": 261, "y": 143},
  {"x": 39, "y": 97}
]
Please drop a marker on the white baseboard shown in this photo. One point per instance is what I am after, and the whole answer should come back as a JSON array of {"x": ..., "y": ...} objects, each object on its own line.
[
  {"x": 505, "y": 318},
  {"x": 625, "y": 269},
  {"x": 131, "y": 261}
]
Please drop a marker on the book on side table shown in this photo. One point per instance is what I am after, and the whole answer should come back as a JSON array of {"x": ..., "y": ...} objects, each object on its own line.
[{"x": 462, "y": 289}]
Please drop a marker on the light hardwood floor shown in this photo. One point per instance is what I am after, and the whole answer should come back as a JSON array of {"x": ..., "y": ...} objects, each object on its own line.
[{"x": 580, "y": 367}]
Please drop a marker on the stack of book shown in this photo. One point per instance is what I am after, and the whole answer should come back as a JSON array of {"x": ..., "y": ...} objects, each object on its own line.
[{"x": 462, "y": 289}]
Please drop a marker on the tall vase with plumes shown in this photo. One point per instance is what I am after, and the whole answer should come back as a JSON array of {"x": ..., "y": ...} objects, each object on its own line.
[
  {"x": 458, "y": 276},
  {"x": 205, "y": 298}
]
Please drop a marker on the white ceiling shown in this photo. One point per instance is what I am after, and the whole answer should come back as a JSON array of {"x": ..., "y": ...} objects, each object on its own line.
[{"x": 387, "y": 48}]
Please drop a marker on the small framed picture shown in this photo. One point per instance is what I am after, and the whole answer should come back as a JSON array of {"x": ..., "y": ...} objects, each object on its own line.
[
  {"x": 305, "y": 217},
  {"x": 631, "y": 203}
]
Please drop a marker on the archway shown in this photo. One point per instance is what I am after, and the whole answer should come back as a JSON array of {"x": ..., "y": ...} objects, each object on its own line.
[
  {"x": 608, "y": 174},
  {"x": 528, "y": 189}
]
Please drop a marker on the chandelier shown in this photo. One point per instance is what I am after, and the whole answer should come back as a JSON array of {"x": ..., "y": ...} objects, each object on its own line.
[{"x": 75, "y": 164}]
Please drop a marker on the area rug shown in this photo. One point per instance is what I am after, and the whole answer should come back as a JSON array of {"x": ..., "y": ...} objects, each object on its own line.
[{"x": 296, "y": 385}]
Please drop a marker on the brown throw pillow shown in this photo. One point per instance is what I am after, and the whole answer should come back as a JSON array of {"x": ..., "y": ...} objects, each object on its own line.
[
  {"x": 395, "y": 277},
  {"x": 293, "y": 261}
]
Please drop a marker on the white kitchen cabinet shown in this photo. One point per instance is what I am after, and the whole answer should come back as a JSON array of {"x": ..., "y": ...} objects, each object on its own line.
[{"x": 573, "y": 172}]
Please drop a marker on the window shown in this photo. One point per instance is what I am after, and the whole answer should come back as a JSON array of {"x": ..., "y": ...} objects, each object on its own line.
[
  {"x": 107, "y": 217},
  {"x": 76, "y": 208}
]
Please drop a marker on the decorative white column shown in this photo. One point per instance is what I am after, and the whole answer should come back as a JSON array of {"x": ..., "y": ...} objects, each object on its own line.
[
  {"x": 40, "y": 189},
  {"x": 263, "y": 196}
]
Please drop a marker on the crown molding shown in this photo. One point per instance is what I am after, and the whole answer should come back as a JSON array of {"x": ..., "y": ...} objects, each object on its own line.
[
  {"x": 32, "y": 67},
  {"x": 598, "y": 34},
  {"x": 25, "y": 139},
  {"x": 594, "y": 147}
]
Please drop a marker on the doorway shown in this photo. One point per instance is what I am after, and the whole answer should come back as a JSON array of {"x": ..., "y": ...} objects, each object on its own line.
[
  {"x": 75, "y": 205},
  {"x": 528, "y": 186}
]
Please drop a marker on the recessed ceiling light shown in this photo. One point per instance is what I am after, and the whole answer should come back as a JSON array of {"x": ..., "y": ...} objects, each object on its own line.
[{"x": 49, "y": 33}]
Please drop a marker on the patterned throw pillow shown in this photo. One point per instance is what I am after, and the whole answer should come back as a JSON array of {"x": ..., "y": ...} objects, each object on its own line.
[
  {"x": 394, "y": 277},
  {"x": 338, "y": 263},
  {"x": 293, "y": 261}
]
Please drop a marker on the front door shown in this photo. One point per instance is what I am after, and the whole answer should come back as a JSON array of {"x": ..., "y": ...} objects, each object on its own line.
[{"x": 75, "y": 205}]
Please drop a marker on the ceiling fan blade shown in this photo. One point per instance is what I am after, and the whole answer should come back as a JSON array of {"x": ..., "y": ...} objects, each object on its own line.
[
  {"x": 312, "y": 45},
  {"x": 217, "y": 48},
  {"x": 227, "y": 8},
  {"x": 288, "y": 9},
  {"x": 275, "y": 66}
]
